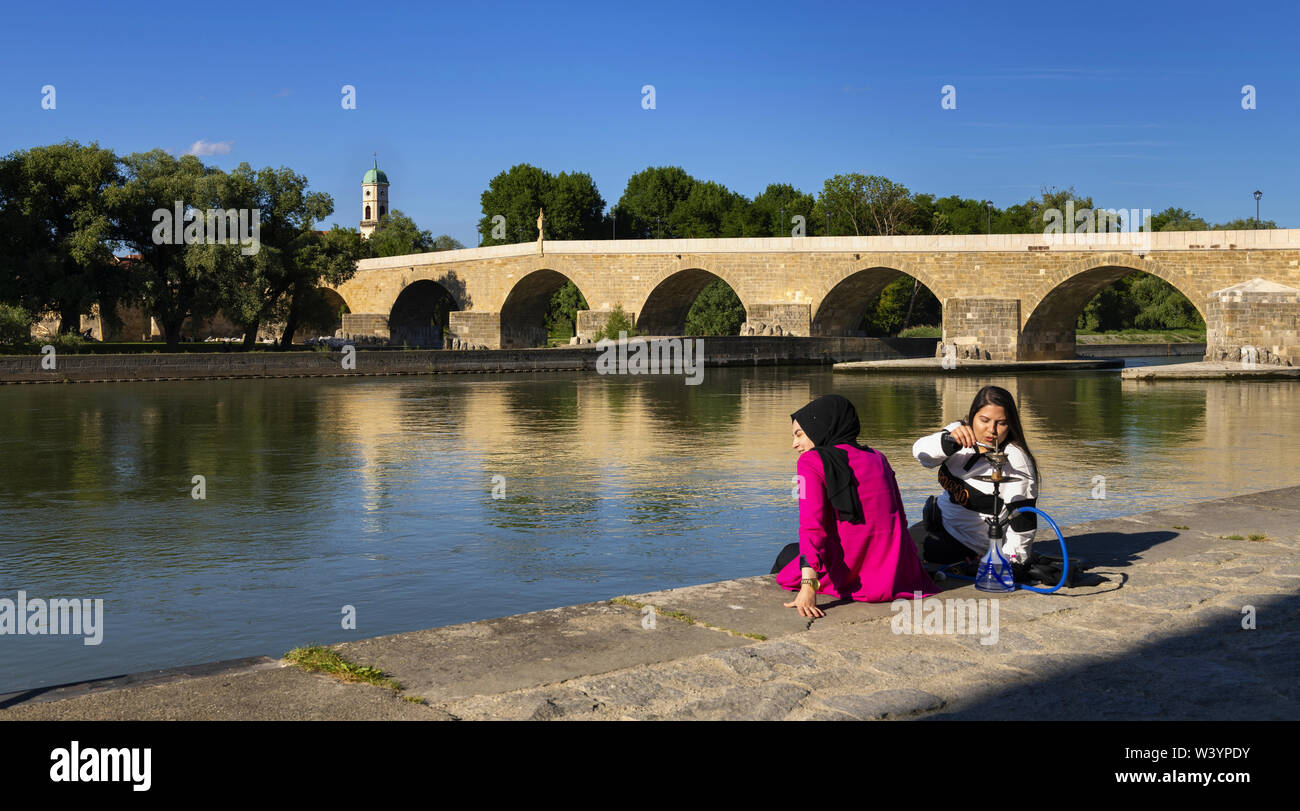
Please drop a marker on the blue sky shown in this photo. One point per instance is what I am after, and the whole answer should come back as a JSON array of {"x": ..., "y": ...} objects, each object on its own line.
[{"x": 1136, "y": 104}]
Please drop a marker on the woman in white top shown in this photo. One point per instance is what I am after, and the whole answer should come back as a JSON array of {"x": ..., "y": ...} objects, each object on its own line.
[{"x": 955, "y": 525}]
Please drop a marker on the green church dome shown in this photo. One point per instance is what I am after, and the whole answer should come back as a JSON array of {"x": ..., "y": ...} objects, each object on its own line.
[{"x": 375, "y": 175}]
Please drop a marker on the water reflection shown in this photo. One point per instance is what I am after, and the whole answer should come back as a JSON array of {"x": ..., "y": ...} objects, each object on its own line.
[{"x": 378, "y": 493}]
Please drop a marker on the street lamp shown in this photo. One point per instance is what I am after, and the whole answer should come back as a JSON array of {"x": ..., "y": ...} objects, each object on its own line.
[
  {"x": 1258, "y": 194},
  {"x": 988, "y": 216},
  {"x": 778, "y": 231},
  {"x": 614, "y": 214},
  {"x": 659, "y": 232}
]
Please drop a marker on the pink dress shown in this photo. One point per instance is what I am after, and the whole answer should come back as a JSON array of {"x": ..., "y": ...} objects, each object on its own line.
[{"x": 872, "y": 562}]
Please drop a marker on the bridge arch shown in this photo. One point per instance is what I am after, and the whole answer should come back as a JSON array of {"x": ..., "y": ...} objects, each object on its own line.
[
  {"x": 1048, "y": 332},
  {"x": 667, "y": 304},
  {"x": 419, "y": 315},
  {"x": 325, "y": 315},
  {"x": 523, "y": 315},
  {"x": 841, "y": 310}
]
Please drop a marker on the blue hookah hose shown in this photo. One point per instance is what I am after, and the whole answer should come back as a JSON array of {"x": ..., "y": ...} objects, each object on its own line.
[{"x": 1065, "y": 557}]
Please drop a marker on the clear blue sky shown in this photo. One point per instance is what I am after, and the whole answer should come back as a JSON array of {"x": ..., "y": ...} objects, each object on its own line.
[{"x": 1137, "y": 104}]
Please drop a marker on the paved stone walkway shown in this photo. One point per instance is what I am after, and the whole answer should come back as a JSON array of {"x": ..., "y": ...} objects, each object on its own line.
[{"x": 1162, "y": 639}]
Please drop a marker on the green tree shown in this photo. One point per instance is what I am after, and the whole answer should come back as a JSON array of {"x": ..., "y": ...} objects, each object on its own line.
[
  {"x": 1177, "y": 219},
  {"x": 710, "y": 210},
  {"x": 574, "y": 208},
  {"x": 716, "y": 311},
  {"x": 862, "y": 205},
  {"x": 447, "y": 243},
  {"x": 570, "y": 201},
  {"x": 398, "y": 235},
  {"x": 172, "y": 288},
  {"x": 1245, "y": 225},
  {"x": 645, "y": 211},
  {"x": 771, "y": 212},
  {"x": 58, "y": 236},
  {"x": 325, "y": 260},
  {"x": 902, "y": 303},
  {"x": 618, "y": 321},
  {"x": 275, "y": 284},
  {"x": 562, "y": 313},
  {"x": 15, "y": 324}
]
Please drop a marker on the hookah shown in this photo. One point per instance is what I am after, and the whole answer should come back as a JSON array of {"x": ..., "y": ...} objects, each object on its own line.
[{"x": 994, "y": 572}]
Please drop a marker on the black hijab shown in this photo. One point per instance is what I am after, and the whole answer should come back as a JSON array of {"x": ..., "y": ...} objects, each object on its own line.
[{"x": 829, "y": 421}]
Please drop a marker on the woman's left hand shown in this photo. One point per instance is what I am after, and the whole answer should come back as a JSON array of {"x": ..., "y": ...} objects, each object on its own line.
[{"x": 806, "y": 603}]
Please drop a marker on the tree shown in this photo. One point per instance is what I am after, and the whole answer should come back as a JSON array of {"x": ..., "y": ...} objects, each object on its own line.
[
  {"x": 274, "y": 284},
  {"x": 710, "y": 210},
  {"x": 574, "y": 208},
  {"x": 771, "y": 213},
  {"x": 1245, "y": 225},
  {"x": 901, "y": 303},
  {"x": 571, "y": 203},
  {"x": 398, "y": 235},
  {"x": 862, "y": 205},
  {"x": 716, "y": 311},
  {"x": 325, "y": 260},
  {"x": 1177, "y": 219},
  {"x": 618, "y": 322},
  {"x": 446, "y": 243},
  {"x": 651, "y": 196},
  {"x": 562, "y": 313},
  {"x": 172, "y": 289},
  {"x": 58, "y": 232}
]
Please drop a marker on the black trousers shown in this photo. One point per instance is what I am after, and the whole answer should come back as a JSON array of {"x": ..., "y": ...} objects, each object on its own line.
[
  {"x": 939, "y": 546},
  {"x": 788, "y": 553}
]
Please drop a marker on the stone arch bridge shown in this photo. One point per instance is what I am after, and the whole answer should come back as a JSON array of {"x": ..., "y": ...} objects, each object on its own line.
[{"x": 1005, "y": 296}]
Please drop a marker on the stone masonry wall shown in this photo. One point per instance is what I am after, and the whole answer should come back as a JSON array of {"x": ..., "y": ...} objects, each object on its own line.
[
  {"x": 983, "y": 328},
  {"x": 1267, "y": 323}
]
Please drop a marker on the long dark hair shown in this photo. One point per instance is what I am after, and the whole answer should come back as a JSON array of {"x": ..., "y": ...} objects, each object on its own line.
[{"x": 997, "y": 396}]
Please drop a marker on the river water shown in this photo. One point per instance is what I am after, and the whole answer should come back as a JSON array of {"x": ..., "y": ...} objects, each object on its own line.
[{"x": 428, "y": 501}]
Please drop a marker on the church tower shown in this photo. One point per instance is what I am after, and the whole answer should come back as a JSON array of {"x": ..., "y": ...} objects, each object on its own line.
[{"x": 374, "y": 199}]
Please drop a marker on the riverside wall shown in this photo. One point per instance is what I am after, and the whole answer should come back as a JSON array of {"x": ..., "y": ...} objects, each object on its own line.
[{"x": 721, "y": 351}]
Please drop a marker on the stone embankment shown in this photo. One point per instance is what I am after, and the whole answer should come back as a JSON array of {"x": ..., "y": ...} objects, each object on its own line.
[{"x": 727, "y": 351}]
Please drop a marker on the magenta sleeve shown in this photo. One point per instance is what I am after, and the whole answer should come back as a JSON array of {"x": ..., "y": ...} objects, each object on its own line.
[{"x": 814, "y": 510}]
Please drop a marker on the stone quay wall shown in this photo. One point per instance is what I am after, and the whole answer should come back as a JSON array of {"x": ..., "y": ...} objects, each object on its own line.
[{"x": 723, "y": 351}]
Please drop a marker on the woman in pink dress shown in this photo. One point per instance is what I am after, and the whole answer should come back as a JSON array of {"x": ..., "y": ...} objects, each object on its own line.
[{"x": 853, "y": 537}]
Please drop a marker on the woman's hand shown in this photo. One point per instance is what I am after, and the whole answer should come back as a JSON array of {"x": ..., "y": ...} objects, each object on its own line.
[
  {"x": 965, "y": 436},
  {"x": 806, "y": 603}
]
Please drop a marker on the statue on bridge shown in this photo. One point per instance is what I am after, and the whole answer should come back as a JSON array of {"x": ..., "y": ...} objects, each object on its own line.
[{"x": 541, "y": 222}]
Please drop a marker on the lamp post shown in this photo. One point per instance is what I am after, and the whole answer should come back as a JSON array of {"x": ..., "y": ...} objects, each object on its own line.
[
  {"x": 778, "y": 233},
  {"x": 659, "y": 232},
  {"x": 1258, "y": 194},
  {"x": 614, "y": 215},
  {"x": 988, "y": 216},
  {"x": 828, "y": 222}
]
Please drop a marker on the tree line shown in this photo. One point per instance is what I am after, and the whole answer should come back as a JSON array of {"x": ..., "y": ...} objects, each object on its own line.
[
  {"x": 667, "y": 202},
  {"x": 68, "y": 210}
]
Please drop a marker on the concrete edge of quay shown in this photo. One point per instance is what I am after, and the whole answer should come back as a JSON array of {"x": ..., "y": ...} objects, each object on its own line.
[
  {"x": 1178, "y": 578},
  {"x": 965, "y": 366},
  {"x": 1211, "y": 370}
]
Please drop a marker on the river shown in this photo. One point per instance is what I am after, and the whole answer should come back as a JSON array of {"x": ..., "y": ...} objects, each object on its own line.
[{"x": 428, "y": 501}]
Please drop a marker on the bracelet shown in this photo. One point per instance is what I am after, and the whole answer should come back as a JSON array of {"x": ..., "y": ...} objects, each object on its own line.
[{"x": 811, "y": 581}]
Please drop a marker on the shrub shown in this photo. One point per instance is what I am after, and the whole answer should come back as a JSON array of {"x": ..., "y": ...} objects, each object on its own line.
[
  {"x": 67, "y": 342},
  {"x": 15, "y": 325},
  {"x": 617, "y": 322},
  {"x": 922, "y": 331}
]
